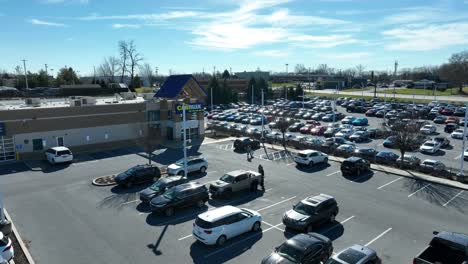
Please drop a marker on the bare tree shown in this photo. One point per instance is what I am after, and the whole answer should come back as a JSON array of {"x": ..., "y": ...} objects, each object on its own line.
[
  {"x": 134, "y": 59},
  {"x": 406, "y": 133},
  {"x": 109, "y": 68},
  {"x": 147, "y": 73},
  {"x": 360, "y": 68},
  {"x": 300, "y": 68},
  {"x": 149, "y": 139},
  {"x": 123, "y": 48},
  {"x": 282, "y": 126}
]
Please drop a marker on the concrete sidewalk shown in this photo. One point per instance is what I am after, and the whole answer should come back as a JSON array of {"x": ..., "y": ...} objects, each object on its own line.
[{"x": 390, "y": 170}]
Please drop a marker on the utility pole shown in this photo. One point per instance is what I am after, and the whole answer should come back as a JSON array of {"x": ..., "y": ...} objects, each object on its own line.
[
  {"x": 394, "y": 76},
  {"x": 25, "y": 73},
  {"x": 185, "y": 139},
  {"x": 263, "y": 116},
  {"x": 230, "y": 72},
  {"x": 462, "y": 160},
  {"x": 156, "y": 71},
  {"x": 94, "y": 74},
  {"x": 47, "y": 73}
]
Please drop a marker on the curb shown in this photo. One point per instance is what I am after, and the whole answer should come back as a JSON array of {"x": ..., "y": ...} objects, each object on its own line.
[
  {"x": 31, "y": 167},
  {"x": 103, "y": 184},
  {"x": 20, "y": 240}
]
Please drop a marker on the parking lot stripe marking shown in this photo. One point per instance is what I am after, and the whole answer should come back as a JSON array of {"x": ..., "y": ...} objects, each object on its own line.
[
  {"x": 275, "y": 227},
  {"x": 129, "y": 202},
  {"x": 182, "y": 238},
  {"x": 291, "y": 163},
  {"x": 379, "y": 236},
  {"x": 275, "y": 204},
  {"x": 419, "y": 189},
  {"x": 457, "y": 157},
  {"x": 397, "y": 179},
  {"x": 458, "y": 194},
  {"x": 333, "y": 173},
  {"x": 267, "y": 190},
  {"x": 240, "y": 241}
]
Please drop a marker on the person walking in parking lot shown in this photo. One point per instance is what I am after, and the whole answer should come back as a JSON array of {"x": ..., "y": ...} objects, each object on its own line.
[
  {"x": 262, "y": 178},
  {"x": 249, "y": 153}
]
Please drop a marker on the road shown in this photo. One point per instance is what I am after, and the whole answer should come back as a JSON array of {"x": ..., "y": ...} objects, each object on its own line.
[{"x": 68, "y": 220}]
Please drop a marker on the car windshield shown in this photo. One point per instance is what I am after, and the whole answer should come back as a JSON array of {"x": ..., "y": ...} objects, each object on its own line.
[
  {"x": 430, "y": 144},
  {"x": 157, "y": 185},
  {"x": 179, "y": 162},
  {"x": 289, "y": 252},
  {"x": 170, "y": 194},
  {"x": 304, "y": 209},
  {"x": 131, "y": 170},
  {"x": 227, "y": 178}
]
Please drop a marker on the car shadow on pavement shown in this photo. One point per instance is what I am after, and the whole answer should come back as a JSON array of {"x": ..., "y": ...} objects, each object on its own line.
[
  {"x": 180, "y": 216},
  {"x": 360, "y": 178},
  {"x": 233, "y": 248},
  {"x": 236, "y": 199},
  {"x": 314, "y": 168},
  {"x": 331, "y": 230},
  {"x": 436, "y": 194},
  {"x": 117, "y": 189},
  {"x": 11, "y": 168},
  {"x": 168, "y": 156},
  {"x": 121, "y": 197}
]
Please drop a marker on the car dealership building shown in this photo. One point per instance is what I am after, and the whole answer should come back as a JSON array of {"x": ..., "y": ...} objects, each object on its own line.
[{"x": 28, "y": 127}]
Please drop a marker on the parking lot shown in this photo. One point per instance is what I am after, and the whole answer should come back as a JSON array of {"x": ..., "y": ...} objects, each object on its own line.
[{"x": 68, "y": 220}]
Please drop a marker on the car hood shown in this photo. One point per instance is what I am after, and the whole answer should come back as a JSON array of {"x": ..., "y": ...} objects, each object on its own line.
[
  {"x": 148, "y": 192},
  {"x": 219, "y": 183},
  {"x": 173, "y": 167},
  {"x": 159, "y": 200},
  {"x": 291, "y": 214},
  {"x": 274, "y": 258},
  {"x": 427, "y": 147}
]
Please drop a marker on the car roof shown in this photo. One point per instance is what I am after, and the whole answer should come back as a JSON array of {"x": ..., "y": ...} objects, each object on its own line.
[
  {"x": 239, "y": 172},
  {"x": 189, "y": 185},
  {"x": 219, "y": 213},
  {"x": 355, "y": 254},
  {"x": 307, "y": 151},
  {"x": 169, "y": 179},
  {"x": 353, "y": 159},
  {"x": 304, "y": 241},
  {"x": 60, "y": 148},
  {"x": 317, "y": 199}
]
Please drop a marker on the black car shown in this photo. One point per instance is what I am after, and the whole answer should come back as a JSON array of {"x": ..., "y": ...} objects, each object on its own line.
[
  {"x": 245, "y": 142},
  {"x": 376, "y": 133},
  {"x": 380, "y": 113},
  {"x": 450, "y": 127},
  {"x": 184, "y": 195},
  {"x": 443, "y": 142},
  {"x": 330, "y": 132},
  {"x": 311, "y": 212},
  {"x": 160, "y": 186},
  {"x": 354, "y": 166},
  {"x": 359, "y": 136},
  {"x": 138, "y": 174},
  {"x": 366, "y": 153},
  {"x": 295, "y": 127},
  {"x": 311, "y": 248},
  {"x": 386, "y": 157}
]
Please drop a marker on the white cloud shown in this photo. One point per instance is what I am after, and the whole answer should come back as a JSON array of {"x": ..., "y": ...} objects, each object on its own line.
[
  {"x": 145, "y": 17},
  {"x": 323, "y": 41},
  {"x": 46, "y": 23},
  {"x": 431, "y": 37},
  {"x": 346, "y": 56},
  {"x": 272, "y": 53},
  {"x": 65, "y": 1},
  {"x": 118, "y": 26}
]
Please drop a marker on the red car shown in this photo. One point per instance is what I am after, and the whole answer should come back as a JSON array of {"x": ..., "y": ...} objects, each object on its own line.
[
  {"x": 313, "y": 123},
  {"x": 306, "y": 129},
  {"x": 318, "y": 131},
  {"x": 447, "y": 111},
  {"x": 452, "y": 120},
  {"x": 371, "y": 112}
]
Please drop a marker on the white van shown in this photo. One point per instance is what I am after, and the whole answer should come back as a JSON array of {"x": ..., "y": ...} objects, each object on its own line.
[{"x": 59, "y": 155}]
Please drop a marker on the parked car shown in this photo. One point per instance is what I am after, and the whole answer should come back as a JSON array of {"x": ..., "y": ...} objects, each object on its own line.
[
  {"x": 431, "y": 166},
  {"x": 306, "y": 129},
  {"x": 452, "y": 120},
  {"x": 386, "y": 157},
  {"x": 390, "y": 142},
  {"x": 138, "y": 174},
  {"x": 458, "y": 134},
  {"x": 311, "y": 212},
  {"x": 355, "y": 254},
  {"x": 429, "y": 147},
  {"x": 58, "y": 155},
  {"x": 311, "y": 248},
  {"x": 344, "y": 133},
  {"x": 376, "y": 133},
  {"x": 465, "y": 154},
  {"x": 450, "y": 127},
  {"x": 295, "y": 127},
  {"x": 442, "y": 141},
  {"x": 235, "y": 181},
  {"x": 318, "y": 131},
  {"x": 362, "y": 121},
  {"x": 359, "y": 136},
  {"x": 244, "y": 142},
  {"x": 180, "y": 196},
  {"x": 272, "y": 125},
  {"x": 409, "y": 161},
  {"x": 218, "y": 225},
  {"x": 348, "y": 120},
  {"x": 366, "y": 153},
  {"x": 345, "y": 149},
  {"x": 428, "y": 129},
  {"x": 445, "y": 247},
  {"x": 354, "y": 165},
  {"x": 160, "y": 186},
  {"x": 440, "y": 119},
  {"x": 310, "y": 157},
  {"x": 330, "y": 131},
  {"x": 6, "y": 247},
  {"x": 313, "y": 142},
  {"x": 194, "y": 164}
]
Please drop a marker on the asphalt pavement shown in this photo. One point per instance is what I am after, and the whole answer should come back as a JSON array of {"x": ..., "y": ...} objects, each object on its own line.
[{"x": 68, "y": 220}]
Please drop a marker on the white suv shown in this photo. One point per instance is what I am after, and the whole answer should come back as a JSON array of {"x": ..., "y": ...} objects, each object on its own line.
[
  {"x": 216, "y": 226},
  {"x": 193, "y": 164},
  {"x": 310, "y": 157},
  {"x": 58, "y": 155}
]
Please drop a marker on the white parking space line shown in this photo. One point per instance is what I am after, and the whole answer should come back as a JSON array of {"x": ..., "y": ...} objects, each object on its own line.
[
  {"x": 395, "y": 180},
  {"x": 240, "y": 241},
  {"x": 333, "y": 173},
  {"x": 424, "y": 187},
  {"x": 342, "y": 222},
  {"x": 458, "y": 157},
  {"x": 275, "y": 204},
  {"x": 453, "y": 198},
  {"x": 275, "y": 227},
  {"x": 129, "y": 202},
  {"x": 379, "y": 236},
  {"x": 185, "y": 237},
  {"x": 292, "y": 163}
]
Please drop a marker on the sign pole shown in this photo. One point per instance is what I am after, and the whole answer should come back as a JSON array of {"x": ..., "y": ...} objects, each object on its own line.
[{"x": 185, "y": 139}]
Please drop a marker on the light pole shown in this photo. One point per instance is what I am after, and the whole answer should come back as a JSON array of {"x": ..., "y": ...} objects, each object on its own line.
[
  {"x": 185, "y": 139},
  {"x": 211, "y": 91},
  {"x": 252, "y": 94},
  {"x": 25, "y": 73},
  {"x": 303, "y": 95},
  {"x": 462, "y": 160},
  {"x": 286, "y": 88},
  {"x": 263, "y": 115}
]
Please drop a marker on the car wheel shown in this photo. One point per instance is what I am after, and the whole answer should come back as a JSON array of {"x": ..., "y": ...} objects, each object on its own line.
[
  {"x": 254, "y": 186},
  {"x": 203, "y": 169},
  {"x": 227, "y": 194},
  {"x": 332, "y": 218},
  {"x": 326, "y": 257},
  {"x": 221, "y": 240},
  {"x": 311, "y": 163},
  {"x": 180, "y": 173},
  {"x": 169, "y": 211},
  {"x": 200, "y": 203},
  {"x": 325, "y": 160},
  {"x": 256, "y": 226},
  {"x": 309, "y": 229}
]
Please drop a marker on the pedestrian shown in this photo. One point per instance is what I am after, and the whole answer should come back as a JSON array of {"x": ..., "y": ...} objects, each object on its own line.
[
  {"x": 262, "y": 177},
  {"x": 248, "y": 153}
]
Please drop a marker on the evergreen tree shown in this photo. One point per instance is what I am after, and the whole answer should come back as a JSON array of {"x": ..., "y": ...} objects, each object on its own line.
[
  {"x": 291, "y": 93},
  {"x": 214, "y": 86},
  {"x": 226, "y": 75},
  {"x": 299, "y": 92},
  {"x": 136, "y": 82}
]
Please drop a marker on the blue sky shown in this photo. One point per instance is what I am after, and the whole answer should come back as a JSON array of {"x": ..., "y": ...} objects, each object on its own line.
[{"x": 189, "y": 36}]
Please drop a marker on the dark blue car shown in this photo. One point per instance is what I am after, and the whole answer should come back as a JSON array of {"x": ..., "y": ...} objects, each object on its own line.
[
  {"x": 362, "y": 121},
  {"x": 390, "y": 142},
  {"x": 386, "y": 157}
]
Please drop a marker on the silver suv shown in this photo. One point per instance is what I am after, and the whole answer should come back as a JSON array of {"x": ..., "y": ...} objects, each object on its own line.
[{"x": 194, "y": 164}]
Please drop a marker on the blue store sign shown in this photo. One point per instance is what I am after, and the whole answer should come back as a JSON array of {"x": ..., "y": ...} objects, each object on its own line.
[{"x": 189, "y": 108}]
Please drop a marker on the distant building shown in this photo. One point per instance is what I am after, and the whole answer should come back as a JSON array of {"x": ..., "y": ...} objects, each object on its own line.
[
  {"x": 239, "y": 85},
  {"x": 428, "y": 84},
  {"x": 255, "y": 74}
]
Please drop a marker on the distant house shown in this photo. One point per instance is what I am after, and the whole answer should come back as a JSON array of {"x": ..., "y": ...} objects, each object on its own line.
[{"x": 428, "y": 84}]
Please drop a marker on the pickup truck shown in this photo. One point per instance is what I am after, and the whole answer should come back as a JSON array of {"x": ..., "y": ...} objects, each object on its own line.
[
  {"x": 445, "y": 248},
  {"x": 235, "y": 181}
]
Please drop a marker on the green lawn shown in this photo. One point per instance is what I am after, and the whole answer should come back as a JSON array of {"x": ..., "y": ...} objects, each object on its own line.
[
  {"x": 275, "y": 85},
  {"x": 452, "y": 91},
  {"x": 144, "y": 90},
  {"x": 356, "y": 89}
]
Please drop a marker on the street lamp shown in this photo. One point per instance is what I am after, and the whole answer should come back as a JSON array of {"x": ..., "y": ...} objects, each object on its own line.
[{"x": 185, "y": 139}]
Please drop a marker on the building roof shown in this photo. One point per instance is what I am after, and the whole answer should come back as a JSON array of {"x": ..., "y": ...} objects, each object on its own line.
[{"x": 173, "y": 86}]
